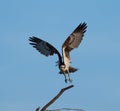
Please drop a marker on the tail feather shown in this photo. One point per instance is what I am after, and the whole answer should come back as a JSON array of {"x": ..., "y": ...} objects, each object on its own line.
[{"x": 71, "y": 70}]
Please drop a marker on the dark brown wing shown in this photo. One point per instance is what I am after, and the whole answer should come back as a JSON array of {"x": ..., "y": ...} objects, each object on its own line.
[
  {"x": 44, "y": 47},
  {"x": 73, "y": 41}
]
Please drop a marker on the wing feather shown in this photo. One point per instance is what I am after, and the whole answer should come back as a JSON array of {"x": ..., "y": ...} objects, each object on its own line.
[
  {"x": 73, "y": 41},
  {"x": 44, "y": 47}
]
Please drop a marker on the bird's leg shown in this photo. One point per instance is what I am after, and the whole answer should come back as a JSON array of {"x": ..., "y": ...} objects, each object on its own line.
[
  {"x": 65, "y": 78},
  {"x": 70, "y": 80}
]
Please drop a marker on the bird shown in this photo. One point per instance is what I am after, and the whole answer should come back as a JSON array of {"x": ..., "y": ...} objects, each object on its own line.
[{"x": 64, "y": 60}]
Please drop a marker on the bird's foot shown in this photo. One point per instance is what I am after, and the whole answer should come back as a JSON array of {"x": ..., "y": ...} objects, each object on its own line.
[
  {"x": 66, "y": 80},
  {"x": 70, "y": 80}
]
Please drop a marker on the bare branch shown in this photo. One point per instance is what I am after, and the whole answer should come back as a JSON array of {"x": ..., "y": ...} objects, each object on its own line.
[
  {"x": 75, "y": 109},
  {"x": 56, "y": 97}
]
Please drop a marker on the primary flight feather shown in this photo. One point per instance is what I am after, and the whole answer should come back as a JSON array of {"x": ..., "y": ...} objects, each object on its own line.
[{"x": 73, "y": 41}]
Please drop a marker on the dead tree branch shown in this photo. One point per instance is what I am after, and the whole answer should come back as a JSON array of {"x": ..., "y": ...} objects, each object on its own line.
[
  {"x": 55, "y": 98},
  {"x": 73, "y": 109}
]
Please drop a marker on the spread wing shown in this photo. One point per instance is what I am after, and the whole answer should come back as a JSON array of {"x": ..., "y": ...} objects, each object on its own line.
[
  {"x": 44, "y": 47},
  {"x": 72, "y": 42}
]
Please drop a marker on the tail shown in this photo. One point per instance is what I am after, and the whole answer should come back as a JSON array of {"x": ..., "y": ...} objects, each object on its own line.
[{"x": 71, "y": 70}]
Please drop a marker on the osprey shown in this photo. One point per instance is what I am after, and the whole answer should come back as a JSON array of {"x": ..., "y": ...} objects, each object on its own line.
[{"x": 70, "y": 43}]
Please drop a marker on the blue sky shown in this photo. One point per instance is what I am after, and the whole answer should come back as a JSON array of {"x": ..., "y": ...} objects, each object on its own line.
[{"x": 28, "y": 79}]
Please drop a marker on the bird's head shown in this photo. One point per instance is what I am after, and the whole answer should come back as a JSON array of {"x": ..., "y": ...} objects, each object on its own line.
[{"x": 62, "y": 67}]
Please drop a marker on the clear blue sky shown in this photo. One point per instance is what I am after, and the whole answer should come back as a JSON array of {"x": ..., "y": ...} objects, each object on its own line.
[{"x": 28, "y": 79}]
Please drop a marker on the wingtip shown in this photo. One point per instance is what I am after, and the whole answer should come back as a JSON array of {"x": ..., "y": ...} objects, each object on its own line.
[
  {"x": 32, "y": 37},
  {"x": 84, "y": 24}
]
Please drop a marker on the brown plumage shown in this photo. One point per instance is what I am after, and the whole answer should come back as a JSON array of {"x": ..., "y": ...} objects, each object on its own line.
[{"x": 73, "y": 41}]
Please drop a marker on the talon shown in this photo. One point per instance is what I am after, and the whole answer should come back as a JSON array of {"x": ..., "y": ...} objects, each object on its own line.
[
  {"x": 65, "y": 80},
  {"x": 70, "y": 80}
]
